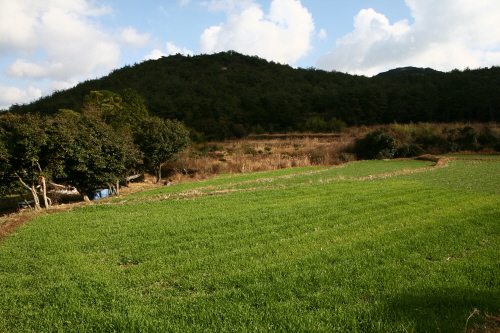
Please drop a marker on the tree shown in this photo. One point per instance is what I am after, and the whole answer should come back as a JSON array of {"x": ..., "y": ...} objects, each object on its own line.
[
  {"x": 96, "y": 155},
  {"x": 376, "y": 145},
  {"x": 69, "y": 147},
  {"x": 4, "y": 168},
  {"x": 24, "y": 138},
  {"x": 160, "y": 141},
  {"x": 122, "y": 112},
  {"x": 103, "y": 104},
  {"x": 132, "y": 112}
]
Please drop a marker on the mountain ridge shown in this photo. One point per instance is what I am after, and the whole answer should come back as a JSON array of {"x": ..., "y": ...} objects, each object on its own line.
[{"x": 230, "y": 94}]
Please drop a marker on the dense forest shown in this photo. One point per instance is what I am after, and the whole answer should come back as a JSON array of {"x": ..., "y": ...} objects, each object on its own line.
[{"x": 230, "y": 95}]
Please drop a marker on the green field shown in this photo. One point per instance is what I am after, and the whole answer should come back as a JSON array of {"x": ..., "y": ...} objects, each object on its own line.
[{"x": 320, "y": 250}]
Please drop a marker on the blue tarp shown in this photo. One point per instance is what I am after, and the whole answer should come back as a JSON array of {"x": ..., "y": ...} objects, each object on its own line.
[{"x": 99, "y": 193}]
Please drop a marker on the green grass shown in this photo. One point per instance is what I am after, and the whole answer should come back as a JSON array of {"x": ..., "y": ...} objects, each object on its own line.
[
  {"x": 473, "y": 156},
  {"x": 229, "y": 179},
  {"x": 294, "y": 176},
  {"x": 409, "y": 253}
]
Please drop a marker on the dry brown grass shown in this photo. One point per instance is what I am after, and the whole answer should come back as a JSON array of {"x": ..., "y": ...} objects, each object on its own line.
[
  {"x": 487, "y": 323},
  {"x": 278, "y": 151},
  {"x": 260, "y": 153}
]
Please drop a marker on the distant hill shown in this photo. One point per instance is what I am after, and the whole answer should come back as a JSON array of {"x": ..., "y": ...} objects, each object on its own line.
[
  {"x": 230, "y": 94},
  {"x": 402, "y": 71}
]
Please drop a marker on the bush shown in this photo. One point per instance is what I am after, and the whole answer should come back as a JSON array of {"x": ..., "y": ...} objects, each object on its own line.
[
  {"x": 337, "y": 125},
  {"x": 408, "y": 150},
  {"x": 488, "y": 138},
  {"x": 467, "y": 139},
  {"x": 376, "y": 145}
]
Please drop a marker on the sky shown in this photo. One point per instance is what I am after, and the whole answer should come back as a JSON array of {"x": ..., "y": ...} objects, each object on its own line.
[{"x": 55, "y": 44}]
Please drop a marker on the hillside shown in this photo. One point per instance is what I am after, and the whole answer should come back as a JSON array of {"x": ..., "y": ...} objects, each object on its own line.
[
  {"x": 405, "y": 71},
  {"x": 230, "y": 94}
]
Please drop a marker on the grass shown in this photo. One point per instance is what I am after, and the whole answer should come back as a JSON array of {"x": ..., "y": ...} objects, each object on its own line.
[
  {"x": 229, "y": 179},
  {"x": 292, "y": 176},
  {"x": 415, "y": 252},
  {"x": 473, "y": 156}
]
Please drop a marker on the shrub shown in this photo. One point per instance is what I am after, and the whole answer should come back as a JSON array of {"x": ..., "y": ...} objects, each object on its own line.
[
  {"x": 315, "y": 125},
  {"x": 337, "y": 125},
  {"x": 408, "y": 150},
  {"x": 467, "y": 139},
  {"x": 249, "y": 150},
  {"x": 375, "y": 145},
  {"x": 488, "y": 138},
  {"x": 346, "y": 157}
]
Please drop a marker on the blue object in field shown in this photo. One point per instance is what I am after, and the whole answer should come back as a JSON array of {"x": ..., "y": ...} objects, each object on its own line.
[
  {"x": 99, "y": 193},
  {"x": 25, "y": 204}
]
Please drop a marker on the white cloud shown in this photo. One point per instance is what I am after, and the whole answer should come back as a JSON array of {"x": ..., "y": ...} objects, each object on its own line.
[
  {"x": 11, "y": 95},
  {"x": 57, "y": 39},
  {"x": 22, "y": 21},
  {"x": 58, "y": 43},
  {"x": 322, "y": 34},
  {"x": 170, "y": 49},
  {"x": 283, "y": 35},
  {"x": 173, "y": 49},
  {"x": 446, "y": 34},
  {"x": 155, "y": 54},
  {"x": 132, "y": 39}
]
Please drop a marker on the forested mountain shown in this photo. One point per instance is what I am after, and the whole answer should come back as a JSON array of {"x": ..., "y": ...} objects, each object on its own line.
[
  {"x": 404, "y": 71},
  {"x": 230, "y": 94}
]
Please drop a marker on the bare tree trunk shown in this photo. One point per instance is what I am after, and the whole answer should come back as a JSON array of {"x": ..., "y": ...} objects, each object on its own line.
[
  {"x": 35, "y": 198},
  {"x": 46, "y": 202},
  {"x": 44, "y": 193},
  {"x": 32, "y": 189},
  {"x": 83, "y": 193},
  {"x": 158, "y": 174}
]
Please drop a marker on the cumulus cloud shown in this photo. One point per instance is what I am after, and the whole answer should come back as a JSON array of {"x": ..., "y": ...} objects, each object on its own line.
[
  {"x": 170, "y": 49},
  {"x": 11, "y": 95},
  {"x": 283, "y": 35},
  {"x": 59, "y": 40},
  {"x": 26, "y": 21},
  {"x": 130, "y": 38},
  {"x": 445, "y": 34},
  {"x": 322, "y": 34}
]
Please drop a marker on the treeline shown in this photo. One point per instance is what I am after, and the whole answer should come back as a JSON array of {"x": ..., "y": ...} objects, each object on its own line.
[
  {"x": 231, "y": 95},
  {"x": 110, "y": 139},
  {"x": 409, "y": 140}
]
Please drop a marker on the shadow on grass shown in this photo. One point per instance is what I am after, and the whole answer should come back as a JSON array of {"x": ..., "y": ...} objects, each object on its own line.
[{"x": 442, "y": 310}]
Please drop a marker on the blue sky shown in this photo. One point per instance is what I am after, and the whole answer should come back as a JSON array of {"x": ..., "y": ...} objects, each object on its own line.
[{"x": 54, "y": 44}]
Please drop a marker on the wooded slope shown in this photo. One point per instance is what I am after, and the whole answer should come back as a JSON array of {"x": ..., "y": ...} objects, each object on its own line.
[{"x": 230, "y": 94}]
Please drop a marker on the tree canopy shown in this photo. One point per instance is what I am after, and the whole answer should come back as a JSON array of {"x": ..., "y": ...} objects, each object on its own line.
[
  {"x": 160, "y": 141},
  {"x": 94, "y": 148},
  {"x": 230, "y": 94}
]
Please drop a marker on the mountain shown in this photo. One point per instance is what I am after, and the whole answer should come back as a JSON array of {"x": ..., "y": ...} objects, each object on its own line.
[
  {"x": 403, "y": 71},
  {"x": 230, "y": 94}
]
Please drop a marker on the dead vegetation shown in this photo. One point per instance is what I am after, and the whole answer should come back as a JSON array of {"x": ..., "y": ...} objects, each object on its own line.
[
  {"x": 483, "y": 323},
  {"x": 260, "y": 153}
]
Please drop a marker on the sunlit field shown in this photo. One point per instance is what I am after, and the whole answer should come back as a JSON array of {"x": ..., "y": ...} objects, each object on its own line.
[{"x": 371, "y": 246}]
